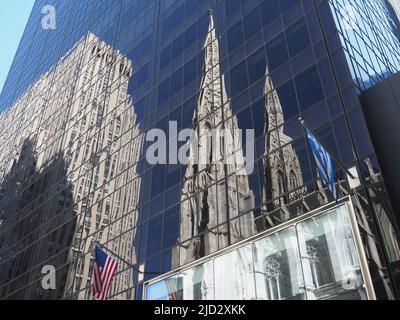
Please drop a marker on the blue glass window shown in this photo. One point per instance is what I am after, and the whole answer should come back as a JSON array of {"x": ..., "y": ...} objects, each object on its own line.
[
  {"x": 163, "y": 92},
  {"x": 154, "y": 239},
  {"x": 231, "y": 6},
  {"x": 203, "y": 25},
  {"x": 143, "y": 240},
  {"x": 173, "y": 174},
  {"x": 176, "y": 82},
  {"x": 256, "y": 65},
  {"x": 165, "y": 57},
  {"x": 297, "y": 37},
  {"x": 245, "y": 120},
  {"x": 277, "y": 52},
  {"x": 190, "y": 36},
  {"x": 269, "y": 11},
  {"x": 309, "y": 88},
  {"x": 252, "y": 24},
  {"x": 158, "y": 180},
  {"x": 153, "y": 265},
  {"x": 238, "y": 77},
  {"x": 190, "y": 71},
  {"x": 171, "y": 227},
  {"x": 178, "y": 46},
  {"x": 286, "y": 4},
  {"x": 288, "y": 99},
  {"x": 235, "y": 36},
  {"x": 190, "y": 7},
  {"x": 143, "y": 75}
]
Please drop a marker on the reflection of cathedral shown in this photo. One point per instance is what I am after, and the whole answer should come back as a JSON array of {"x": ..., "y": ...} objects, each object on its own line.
[
  {"x": 282, "y": 170},
  {"x": 205, "y": 212},
  {"x": 80, "y": 112},
  {"x": 285, "y": 197}
]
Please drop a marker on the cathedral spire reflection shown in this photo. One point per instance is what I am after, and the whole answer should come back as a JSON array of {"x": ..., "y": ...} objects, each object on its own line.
[
  {"x": 282, "y": 170},
  {"x": 210, "y": 200}
]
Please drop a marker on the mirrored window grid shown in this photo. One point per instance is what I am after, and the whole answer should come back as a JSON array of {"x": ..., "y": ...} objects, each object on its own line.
[
  {"x": 369, "y": 32},
  {"x": 80, "y": 100}
]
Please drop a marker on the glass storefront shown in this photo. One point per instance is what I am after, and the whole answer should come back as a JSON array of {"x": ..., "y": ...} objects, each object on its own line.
[{"x": 315, "y": 259}]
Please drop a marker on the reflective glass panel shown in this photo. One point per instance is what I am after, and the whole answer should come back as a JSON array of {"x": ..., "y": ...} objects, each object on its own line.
[
  {"x": 329, "y": 258},
  {"x": 277, "y": 267},
  {"x": 194, "y": 284},
  {"x": 234, "y": 275}
]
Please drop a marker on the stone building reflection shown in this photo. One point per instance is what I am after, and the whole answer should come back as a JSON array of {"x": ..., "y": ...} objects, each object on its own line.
[
  {"x": 212, "y": 203},
  {"x": 283, "y": 175},
  {"x": 109, "y": 212},
  {"x": 78, "y": 117}
]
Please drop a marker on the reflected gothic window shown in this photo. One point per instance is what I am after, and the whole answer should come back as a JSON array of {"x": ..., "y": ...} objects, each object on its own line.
[
  {"x": 277, "y": 268},
  {"x": 272, "y": 278},
  {"x": 329, "y": 257},
  {"x": 278, "y": 276},
  {"x": 321, "y": 266},
  {"x": 293, "y": 181},
  {"x": 281, "y": 182}
]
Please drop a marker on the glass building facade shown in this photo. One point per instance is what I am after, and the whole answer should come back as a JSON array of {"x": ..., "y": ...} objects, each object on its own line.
[{"x": 81, "y": 101}]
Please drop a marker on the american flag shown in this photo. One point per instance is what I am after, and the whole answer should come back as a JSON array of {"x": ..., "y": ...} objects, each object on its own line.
[{"x": 104, "y": 271}]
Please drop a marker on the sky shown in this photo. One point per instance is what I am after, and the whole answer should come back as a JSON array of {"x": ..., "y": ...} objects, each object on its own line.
[{"x": 14, "y": 15}]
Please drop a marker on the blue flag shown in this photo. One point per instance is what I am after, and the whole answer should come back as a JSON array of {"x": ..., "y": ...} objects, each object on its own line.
[{"x": 324, "y": 163}]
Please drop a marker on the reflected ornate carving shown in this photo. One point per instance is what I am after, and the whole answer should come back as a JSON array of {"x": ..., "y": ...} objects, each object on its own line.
[
  {"x": 205, "y": 203},
  {"x": 282, "y": 170}
]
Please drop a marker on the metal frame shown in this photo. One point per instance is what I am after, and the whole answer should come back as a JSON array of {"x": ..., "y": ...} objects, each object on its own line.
[
  {"x": 368, "y": 284},
  {"x": 312, "y": 214}
]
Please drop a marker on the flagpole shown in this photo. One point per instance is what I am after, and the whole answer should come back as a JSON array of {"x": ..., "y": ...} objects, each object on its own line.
[
  {"x": 128, "y": 263},
  {"x": 340, "y": 163}
]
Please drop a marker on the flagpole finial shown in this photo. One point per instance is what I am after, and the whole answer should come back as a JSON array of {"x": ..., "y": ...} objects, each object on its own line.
[{"x": 302, "y": 121}]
